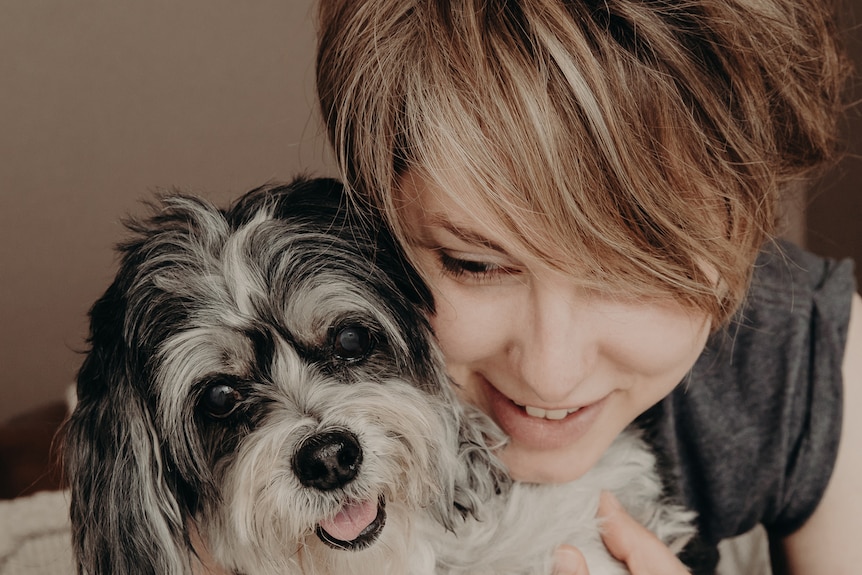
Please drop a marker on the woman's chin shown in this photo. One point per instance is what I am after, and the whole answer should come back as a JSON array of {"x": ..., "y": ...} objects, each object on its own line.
[{"x": 556, "y": 466}]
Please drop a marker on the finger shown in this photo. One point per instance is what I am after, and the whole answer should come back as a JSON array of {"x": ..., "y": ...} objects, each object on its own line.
[
  {"x": 633, "y": 544},
  {"x": 569, "y": 561}
]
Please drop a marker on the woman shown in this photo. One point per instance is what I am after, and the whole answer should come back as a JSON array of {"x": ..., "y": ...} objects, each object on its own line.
[{"x": 590, "y": 190}]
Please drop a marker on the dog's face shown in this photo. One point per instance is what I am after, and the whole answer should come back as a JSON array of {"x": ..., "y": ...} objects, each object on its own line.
[{"x": 265, "y": 377}]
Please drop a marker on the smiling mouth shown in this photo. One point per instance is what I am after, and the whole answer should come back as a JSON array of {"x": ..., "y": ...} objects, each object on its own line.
[
  {"x": 539, "y": 428},
  {"x": 552, "y": 414},
  {"x": 356, "y": 526}
]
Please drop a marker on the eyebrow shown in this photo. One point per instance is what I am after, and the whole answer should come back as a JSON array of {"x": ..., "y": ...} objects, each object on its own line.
[{"x": 465, "y": 235}]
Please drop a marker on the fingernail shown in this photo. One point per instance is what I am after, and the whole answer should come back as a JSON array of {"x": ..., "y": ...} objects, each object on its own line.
[
  {"x": 566, "y": 561},
  {"x": 610, "y": 502}
]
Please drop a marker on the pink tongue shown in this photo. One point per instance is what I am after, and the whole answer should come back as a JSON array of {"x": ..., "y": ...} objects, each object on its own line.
[{"x": 351, "y": 520}]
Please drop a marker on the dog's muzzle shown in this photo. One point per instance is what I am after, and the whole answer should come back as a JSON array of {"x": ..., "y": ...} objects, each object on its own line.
[{"x": 331, "y": 460}]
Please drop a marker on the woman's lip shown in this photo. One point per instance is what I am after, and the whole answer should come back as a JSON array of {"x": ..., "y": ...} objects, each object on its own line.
[{"x": 537, "y": 432}]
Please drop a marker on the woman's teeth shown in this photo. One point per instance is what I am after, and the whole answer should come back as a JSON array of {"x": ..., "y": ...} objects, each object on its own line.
[{"x": 547, "y": 413}]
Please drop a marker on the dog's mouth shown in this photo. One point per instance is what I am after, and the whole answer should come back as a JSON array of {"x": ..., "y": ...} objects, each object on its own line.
[{"x": 356, "y": 526}]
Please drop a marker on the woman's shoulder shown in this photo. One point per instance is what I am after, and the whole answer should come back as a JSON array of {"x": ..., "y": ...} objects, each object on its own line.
[
  {"x": 797, "y": 310},
  {"x": 791, "y": 328},
  {"x": 753, "y": 431},
  {"x": 787, "y": 277}
]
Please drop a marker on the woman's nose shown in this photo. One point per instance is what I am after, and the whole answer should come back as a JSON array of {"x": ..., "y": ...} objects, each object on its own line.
[{"x": 556, "y": 349}]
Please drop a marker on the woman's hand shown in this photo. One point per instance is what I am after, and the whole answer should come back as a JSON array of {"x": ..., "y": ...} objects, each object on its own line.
[{"x": 627, "y": 540}]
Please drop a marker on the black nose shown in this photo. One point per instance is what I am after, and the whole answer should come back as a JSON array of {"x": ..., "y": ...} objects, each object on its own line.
[{"x": 328, "y": 460}]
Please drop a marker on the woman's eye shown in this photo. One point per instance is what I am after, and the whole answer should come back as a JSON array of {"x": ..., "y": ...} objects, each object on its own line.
[
  {"x": 478, "y": 270},
  {"x": 352, "y": 343},
  {"x": 220, "y": 399}
]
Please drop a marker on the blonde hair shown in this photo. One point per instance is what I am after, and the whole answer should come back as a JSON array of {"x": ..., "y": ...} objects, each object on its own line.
[{"x": 636, "y": 143}]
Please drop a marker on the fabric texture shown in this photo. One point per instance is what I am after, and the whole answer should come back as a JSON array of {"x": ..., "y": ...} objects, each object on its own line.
[
  {"x": 35, "y": 539},
  {"x": 746, "y": 554},
  {"x": 35, "y": 535},
  {"x": 751, "y": 435}
]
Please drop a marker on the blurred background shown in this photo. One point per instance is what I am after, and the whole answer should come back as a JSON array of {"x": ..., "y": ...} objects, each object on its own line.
[{"x": 103, "y": 102}]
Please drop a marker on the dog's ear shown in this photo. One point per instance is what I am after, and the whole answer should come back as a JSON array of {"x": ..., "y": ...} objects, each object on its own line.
[
  {"x": 479, "y": 473},
  {"x": 125, "y": 517}
]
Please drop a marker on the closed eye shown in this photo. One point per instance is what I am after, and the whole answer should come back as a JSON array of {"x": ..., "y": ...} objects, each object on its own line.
[{"x": 473, "y": 270}]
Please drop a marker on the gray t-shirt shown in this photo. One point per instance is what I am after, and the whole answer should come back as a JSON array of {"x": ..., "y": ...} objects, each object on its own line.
[{"x": 752, "y": 433}]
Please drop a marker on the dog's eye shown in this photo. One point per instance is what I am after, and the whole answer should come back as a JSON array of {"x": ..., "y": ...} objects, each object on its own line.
[
  {"x": 220, "y": 399},
  {"x": 352, "y": 343}
]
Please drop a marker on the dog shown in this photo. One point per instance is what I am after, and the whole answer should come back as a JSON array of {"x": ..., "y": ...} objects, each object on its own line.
[{"x": 262, "y": 383}]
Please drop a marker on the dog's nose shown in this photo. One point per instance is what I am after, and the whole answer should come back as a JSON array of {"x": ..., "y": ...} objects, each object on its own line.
[{"x": 328, "y": 460}]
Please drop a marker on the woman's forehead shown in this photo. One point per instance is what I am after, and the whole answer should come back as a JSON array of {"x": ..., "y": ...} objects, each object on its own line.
[
  {"x": 463, "y": 212},
  {"x": 449, "y": 202}
]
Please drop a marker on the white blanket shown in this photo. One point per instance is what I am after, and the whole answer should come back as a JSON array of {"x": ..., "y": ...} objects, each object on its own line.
[
  {"x": 35, "y": 535},
  {"x": 35, "y": 539}
]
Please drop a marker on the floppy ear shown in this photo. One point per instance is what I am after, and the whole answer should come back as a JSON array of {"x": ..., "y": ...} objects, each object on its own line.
[
  {"x": 483, "y": 475},
  {"x": 125, "y": 517},
  {"x": 479, "y": 475}
]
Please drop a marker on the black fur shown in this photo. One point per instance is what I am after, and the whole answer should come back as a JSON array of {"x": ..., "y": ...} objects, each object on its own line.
[{"x": 134, "y": 486}]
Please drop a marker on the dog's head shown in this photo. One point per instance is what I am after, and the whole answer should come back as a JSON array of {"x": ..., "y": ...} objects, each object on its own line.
[{"x": 264, "y": 376}]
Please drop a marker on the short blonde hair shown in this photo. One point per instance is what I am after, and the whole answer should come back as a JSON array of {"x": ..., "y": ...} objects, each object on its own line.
[{"x": 636, "y": 143}]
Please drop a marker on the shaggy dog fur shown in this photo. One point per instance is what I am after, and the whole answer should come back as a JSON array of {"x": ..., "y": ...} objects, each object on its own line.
[{"x": 265, "y": 378}]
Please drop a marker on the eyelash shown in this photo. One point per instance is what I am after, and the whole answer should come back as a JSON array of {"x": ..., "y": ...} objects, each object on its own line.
[{"x": 478, "y": 271}]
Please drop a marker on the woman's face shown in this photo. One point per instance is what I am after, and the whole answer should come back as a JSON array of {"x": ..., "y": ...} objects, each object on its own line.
[{"x": 562, "y": 370}]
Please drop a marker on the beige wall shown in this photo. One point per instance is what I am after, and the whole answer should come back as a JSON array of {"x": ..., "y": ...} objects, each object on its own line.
[{"x": 103, "y": 102}]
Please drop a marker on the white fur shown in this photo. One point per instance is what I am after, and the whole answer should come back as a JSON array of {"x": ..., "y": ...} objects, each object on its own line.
[
  {"x": 148, "y": 466},
  {"x": 518, "y": 534}
]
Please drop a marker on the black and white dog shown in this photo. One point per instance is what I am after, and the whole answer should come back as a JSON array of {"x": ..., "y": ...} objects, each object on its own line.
[{"x": 263, "y": 380}]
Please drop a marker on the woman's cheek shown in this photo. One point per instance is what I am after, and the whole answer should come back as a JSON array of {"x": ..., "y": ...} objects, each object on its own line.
[{"x": 468, "y": 326}]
